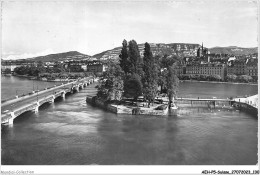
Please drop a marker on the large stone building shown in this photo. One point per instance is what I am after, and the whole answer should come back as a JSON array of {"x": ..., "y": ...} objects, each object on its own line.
[
  {"x": 252, "y": 68},
  {"x": 207, "y": 69},
  {"x": 237, "y": 67},
  {"x": 96, "y": 67}
]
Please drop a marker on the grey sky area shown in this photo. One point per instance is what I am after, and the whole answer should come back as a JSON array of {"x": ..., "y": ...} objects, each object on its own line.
[{"x": 38, "y": 28}]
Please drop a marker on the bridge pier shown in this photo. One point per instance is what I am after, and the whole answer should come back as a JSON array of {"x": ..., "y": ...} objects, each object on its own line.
[
  {"x": 77, "y": 88},
  {"x": 63, "y": 95},
  {"x": 53, "y": 98},
  {"x": 11, "y": 120},
  {"x": 36, "y": 109}
]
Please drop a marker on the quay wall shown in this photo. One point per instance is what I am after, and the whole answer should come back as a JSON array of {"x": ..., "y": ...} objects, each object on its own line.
[
  {"x": 120, "y": 109},
  {"x": 246, "y": 108},
  {"x": 204, "y": 103}
]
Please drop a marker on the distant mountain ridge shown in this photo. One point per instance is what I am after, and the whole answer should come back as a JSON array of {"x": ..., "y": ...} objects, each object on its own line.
[
  {"x": 71, "y": 55},
  {"x": 233, "y": 50},
  {"x": 180, "y": 49}
]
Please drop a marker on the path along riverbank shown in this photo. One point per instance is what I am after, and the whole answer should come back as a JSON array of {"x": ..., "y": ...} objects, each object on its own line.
[
  {"x": 218, "y": 82},
  {"x": 45, "y": 79}
]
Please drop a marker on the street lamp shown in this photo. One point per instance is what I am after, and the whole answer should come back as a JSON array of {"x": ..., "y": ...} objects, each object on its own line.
[
  {"x": 37, "y": 93},
  {"x": 12, "y": 107},
  {"x": 33, "y": 85}
]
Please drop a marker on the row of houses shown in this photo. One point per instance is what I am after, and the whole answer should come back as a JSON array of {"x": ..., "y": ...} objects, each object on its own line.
[{"x": 235, "y": 67}]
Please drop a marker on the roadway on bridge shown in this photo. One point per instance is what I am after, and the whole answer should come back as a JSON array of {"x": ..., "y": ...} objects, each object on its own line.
[
  {"x": 8, "y": 107},
  {"x": 28, "y": 100}
]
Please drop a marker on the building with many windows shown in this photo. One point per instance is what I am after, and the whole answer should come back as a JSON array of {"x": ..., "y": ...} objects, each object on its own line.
[
  {"x": 237, "y": 67},
  {"x": 252, "y": 68},
  {"x": 96, "y": 66},
  {"x": 207, "y": 69}
]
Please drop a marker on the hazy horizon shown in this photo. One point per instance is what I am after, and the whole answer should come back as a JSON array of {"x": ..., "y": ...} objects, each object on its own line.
[{"x": 39, "y": 28}]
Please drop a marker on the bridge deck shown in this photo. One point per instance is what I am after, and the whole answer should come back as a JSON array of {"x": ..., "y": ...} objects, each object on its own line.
[{"x": 14, "y": 105}]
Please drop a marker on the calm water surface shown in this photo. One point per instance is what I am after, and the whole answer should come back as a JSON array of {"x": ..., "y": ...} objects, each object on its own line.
[{"x": 70, "y": 132}]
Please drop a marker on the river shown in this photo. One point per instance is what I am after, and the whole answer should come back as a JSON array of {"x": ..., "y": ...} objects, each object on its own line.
[{"x": 71, "y": 132}]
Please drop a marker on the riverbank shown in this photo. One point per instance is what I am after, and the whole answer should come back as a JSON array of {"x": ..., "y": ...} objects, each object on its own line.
[
  {"x": 24, "y": 76},
  {"x": 44, "y": 79},
  {"x": 218, "y": 82},
  {"x": 156, "y": 109}
]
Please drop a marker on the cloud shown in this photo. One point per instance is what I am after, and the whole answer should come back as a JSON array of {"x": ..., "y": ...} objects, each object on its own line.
[{"x": 13, "y": 56}]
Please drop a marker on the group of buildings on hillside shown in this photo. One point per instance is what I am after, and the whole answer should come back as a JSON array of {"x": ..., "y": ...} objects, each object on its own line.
[
  {"x": 158, "y": 49},
  {"x": 203, "y": 63}
]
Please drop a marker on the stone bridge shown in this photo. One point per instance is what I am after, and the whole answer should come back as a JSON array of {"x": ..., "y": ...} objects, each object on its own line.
[{"x": 13, "y": 108}]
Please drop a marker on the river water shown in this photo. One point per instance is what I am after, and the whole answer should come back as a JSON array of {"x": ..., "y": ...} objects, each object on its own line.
[{"x": 71, "y": 132}]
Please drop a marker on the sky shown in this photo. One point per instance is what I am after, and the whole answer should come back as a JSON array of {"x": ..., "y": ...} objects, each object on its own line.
[{"x": 44, "y": 27}]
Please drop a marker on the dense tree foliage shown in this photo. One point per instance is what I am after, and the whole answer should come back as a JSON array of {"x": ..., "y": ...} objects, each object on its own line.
[
  {"x": 244, "y": 78},
  {"x": 172, "y": 82},
  {"x": 228, "y": 78},
  {"x": 162, "y": 79},
  {"x": 135, "y": 60},
  {"x": 150, "y": 76},
  {"x": 140, "y": 76},
  {"x": 168, "y": 61},
  {"x": 231, "y": 78},
  {"x": 40, "y": 69},
  {"x": 7, "y": 71},
  {"x": 112, "y": 84},
  {"x": 133, "y": 86},
  {"x": 124, "y": 59}
]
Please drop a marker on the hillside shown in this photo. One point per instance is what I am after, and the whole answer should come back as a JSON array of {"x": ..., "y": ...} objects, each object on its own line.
[
  {"x": 72, "y": 55},
  {"x": 233, "y": 50},
  {"x": 182, "y": 49}
]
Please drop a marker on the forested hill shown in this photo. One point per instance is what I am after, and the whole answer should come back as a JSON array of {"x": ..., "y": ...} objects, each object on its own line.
[
  {"x": 233, "y": 50},
  {"x": 72, "y": 55}
]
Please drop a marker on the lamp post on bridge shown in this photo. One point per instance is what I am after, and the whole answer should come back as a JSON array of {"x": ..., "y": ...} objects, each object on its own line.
[
  {"x": 33, "y": 85},
  {"x": 12, "y": 107},
  {"x": 37, "y": 93}
]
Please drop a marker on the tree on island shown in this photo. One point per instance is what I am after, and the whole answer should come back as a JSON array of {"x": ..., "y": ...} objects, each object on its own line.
[
  {"x": 112, "y": 84},
  {"x": 135, "y": 60},
  {"x": 172, "y": 84},
  {"x": 165, "y": 62},
  {"x": 150, "y": 76},
  {"x": 124, "y": 59},
  {"x": 133, "y": 86},
  {"x": 131, "y": 63}
]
